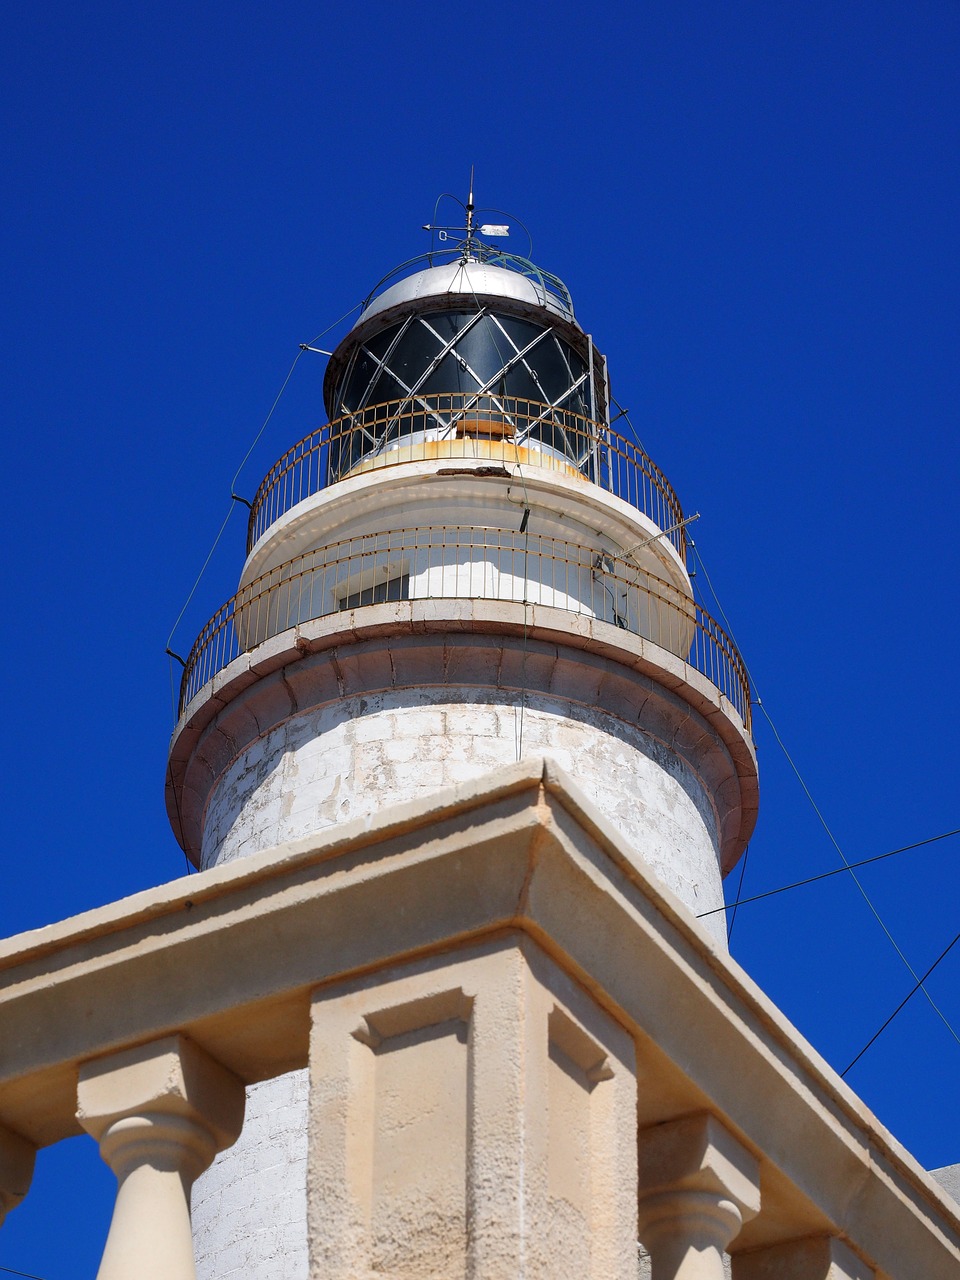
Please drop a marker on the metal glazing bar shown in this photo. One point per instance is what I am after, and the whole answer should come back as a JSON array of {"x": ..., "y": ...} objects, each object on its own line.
[{"x": 380, "y": 364}]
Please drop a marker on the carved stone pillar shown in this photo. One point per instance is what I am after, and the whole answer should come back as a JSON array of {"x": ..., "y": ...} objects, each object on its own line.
[
  {"x": 160, "y": 1112},
  {"x": 471, "y": 1117},
  {"x": 697, "y": 1187},
  {"x": 816, "y": 1258},
  {"x": 16, "y": 1169}
]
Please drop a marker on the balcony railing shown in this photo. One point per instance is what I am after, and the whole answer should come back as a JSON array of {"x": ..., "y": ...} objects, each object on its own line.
[
  {"x": 553, "y": 292},
  {"x": 447, "y": 562},
  {"x": 499, "y": 430}
]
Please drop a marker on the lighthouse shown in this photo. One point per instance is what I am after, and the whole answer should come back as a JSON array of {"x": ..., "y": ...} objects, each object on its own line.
[{"x": 470, "y": 564}]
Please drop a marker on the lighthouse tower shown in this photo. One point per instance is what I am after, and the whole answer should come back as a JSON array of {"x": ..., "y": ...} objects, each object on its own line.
[{"x": 467, "y": 566}]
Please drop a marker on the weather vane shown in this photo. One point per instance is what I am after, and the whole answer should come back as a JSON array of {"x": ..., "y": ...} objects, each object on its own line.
[{"x": 467, "y": 234}]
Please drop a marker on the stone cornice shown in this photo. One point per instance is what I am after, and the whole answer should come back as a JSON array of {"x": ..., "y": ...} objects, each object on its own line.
[{"x": 365, "y": 651}]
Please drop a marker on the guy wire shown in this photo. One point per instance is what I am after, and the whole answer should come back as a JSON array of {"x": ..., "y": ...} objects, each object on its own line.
[
  {"x": 912, "y": 992},
  {"x": 825, "y": 875},
  {"x": 733, "y": 918},
  {"x": 813, "y": 804},
  {"x": 246, "y": 457}
]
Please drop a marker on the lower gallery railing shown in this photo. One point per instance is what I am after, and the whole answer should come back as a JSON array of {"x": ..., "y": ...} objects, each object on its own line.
[{"x": 453, "y": 562}]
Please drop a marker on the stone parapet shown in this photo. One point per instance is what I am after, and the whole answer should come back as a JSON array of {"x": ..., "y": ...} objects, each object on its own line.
[{"x": 513, "y": 885}]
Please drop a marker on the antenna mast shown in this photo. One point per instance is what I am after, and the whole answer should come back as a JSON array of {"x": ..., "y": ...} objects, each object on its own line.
[{"x": 469, "y": 244}]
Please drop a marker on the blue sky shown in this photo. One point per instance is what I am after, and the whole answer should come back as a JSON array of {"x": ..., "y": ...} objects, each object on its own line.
[{"x": 755, "y": 207}]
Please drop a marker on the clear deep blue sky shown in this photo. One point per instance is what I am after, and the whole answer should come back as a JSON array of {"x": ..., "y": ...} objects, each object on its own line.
[{"x": 755, "y": 206}]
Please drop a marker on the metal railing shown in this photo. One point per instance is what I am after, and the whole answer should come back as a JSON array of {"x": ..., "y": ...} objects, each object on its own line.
[
  {"x": 551, "y": 288},
  {"x": 504, "y": 430},
  {"x": 447, "y": 562}
]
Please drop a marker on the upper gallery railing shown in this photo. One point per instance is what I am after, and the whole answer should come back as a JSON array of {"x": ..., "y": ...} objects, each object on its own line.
[
  {"x": 553, "y": 292},
  {"x": 446, "y": 562},
  {"x": 499, "y": 430}
]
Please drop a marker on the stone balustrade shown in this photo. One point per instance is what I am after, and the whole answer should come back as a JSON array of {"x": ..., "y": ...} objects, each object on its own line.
[
  {"x": 493, "y": 1003},
  {"x": 697, "y": 1186},
  {"x": 160, "y": 1113}
]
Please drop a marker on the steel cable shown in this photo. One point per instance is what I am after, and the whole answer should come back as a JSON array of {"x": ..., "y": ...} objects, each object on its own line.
[{"x": 847, "y": 866}]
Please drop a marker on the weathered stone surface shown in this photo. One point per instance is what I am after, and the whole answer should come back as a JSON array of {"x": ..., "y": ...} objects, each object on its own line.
[
  {"x": 267, "y": 1164},
  {"x": 357, "y": 755},
  {"x": 448, "y": 1103}
]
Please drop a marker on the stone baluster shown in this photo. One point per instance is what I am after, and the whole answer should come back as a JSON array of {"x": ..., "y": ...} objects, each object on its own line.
[
  {"x": 160, "y": 1113},
  {"x": 698, "y": 1185},
  {"x": 16, "y": 1169},
  {"x": 814, "y": 1258}
]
